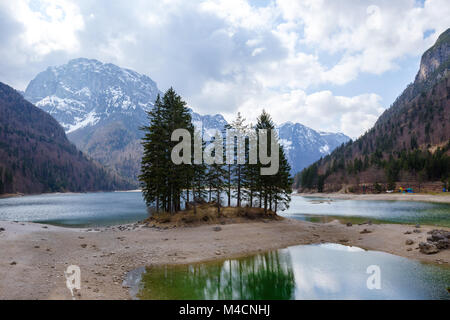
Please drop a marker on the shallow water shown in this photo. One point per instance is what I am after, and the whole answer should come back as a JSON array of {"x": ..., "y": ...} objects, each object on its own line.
[
  {"x": 326, "y": 271},
  {"x": 76, "y": 210},
  {"x": 317, "y": 209},
  {"x": 103, "y": 209}
]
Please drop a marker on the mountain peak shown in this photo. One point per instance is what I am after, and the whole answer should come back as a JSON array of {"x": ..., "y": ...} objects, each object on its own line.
[
  {"x": 435, "y": 59},
  {"x": 82, "y": 60},
  {"x": 84, "y": 92}
]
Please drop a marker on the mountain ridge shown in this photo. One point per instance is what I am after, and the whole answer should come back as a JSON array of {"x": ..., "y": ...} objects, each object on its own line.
[
  {"x": 36, "y": 157},
  {"x": 409, "y": 143},
  {"x": 101, "y": 106}
]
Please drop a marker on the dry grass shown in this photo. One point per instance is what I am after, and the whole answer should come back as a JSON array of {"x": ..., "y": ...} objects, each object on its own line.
[{"x": 207, "y": 214}]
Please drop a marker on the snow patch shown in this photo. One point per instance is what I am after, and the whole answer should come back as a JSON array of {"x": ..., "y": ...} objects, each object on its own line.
[{"x": 91, "y": 119}]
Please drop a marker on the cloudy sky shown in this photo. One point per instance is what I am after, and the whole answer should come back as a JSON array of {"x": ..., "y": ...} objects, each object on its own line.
[{"x": 331, "y": 65}]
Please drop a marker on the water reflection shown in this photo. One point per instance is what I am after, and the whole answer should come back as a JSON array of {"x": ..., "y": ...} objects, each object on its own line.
[
  {"x": 240, "y": 279},
  {"x": 327, "y": 271}
]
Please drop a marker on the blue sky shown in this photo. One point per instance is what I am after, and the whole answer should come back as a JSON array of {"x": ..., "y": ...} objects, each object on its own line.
[{"x": 331, "y": 65}]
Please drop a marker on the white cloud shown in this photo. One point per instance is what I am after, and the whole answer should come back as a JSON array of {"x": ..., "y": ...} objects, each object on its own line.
[
  {"x": 229, "y": 55},
  {"x": 369, "y": 36},
  {"x": 321, "y": 110},
  {"x": 48, "y": 25}
]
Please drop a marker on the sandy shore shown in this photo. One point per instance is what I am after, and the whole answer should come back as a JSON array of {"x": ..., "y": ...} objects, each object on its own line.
[
  {"x": 440, "y": 198},
  {"x": 34, "y": 257}
]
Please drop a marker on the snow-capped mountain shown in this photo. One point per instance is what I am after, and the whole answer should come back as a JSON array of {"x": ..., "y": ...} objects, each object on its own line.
[
  {"x": 86, "y": 92},
  {"x": 102, "y": 106},
  {"x": 303, "y": 145},
  {"x": 208, "y": 125}
]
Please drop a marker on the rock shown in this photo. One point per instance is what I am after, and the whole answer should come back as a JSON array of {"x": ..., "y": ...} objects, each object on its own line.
[
  {"x": 349, "y": 224},
  {"x": 217, "y": 229},
  {"x": 13, "y": 263},
  {"x": 409, "y": 249},
  {"x": 417, "y": 226},
  {"x": 409, "y": 242},
  {"x": 84, "y": 245},
  {"x": 428, "y": 248},
  {"x": 218, "y": 253},
  {"x": 443, "y": 244},
  {"x": 408, "y": 232},
  {"x": 365, "y": 231},
  {"x": 417, "y": 231},
  {"x": 2, "y": 229}
]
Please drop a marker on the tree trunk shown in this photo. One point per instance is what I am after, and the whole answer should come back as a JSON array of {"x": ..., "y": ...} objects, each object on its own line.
[
  {"x": 229, "y": 185},
  {"x": 239, "y": 187},
  {"x": 194, "y": 201},
  {"x": 218, "y": 202},
  {"x": 265, "y": 203}
]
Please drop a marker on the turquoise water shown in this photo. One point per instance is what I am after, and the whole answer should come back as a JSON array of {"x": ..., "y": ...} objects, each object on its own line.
[
  {"x": 308, "y": 208},
  {"x": 325, "y": 271},
  {"x": 76, "y": 210},
  {"x": 102, "y": 209}
]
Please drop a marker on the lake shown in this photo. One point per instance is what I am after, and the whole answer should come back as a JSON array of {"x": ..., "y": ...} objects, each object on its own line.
[
  {"x": 111, "y": 208},
  {"x": 76, "y": 209},
  {"x": 324, "y": 271},
  {"x": 324, "y": 210}
]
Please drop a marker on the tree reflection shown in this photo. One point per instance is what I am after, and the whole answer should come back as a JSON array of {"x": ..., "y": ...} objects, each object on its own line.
[{"x": 265, "y": 276}]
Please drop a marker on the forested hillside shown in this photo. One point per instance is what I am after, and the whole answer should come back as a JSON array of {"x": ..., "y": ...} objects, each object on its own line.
[
  {"x": 408, "y": 146},
  {"x": 36, "y": 157}
]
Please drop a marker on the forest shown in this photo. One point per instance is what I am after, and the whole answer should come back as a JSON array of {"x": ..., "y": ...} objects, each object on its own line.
[{"x": 166, "y": 185}]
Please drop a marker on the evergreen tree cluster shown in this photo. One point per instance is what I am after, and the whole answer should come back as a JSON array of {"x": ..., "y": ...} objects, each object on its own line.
[
  {"x": 166, "y": 185},
  {"x": 423, "y": 164}
]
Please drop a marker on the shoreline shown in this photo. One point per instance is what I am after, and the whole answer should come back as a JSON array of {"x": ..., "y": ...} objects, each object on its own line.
[
  {"x": 412, "y": 197},
  {"x": 16, "y": 195},
  {"x": 34, "y": 256}
]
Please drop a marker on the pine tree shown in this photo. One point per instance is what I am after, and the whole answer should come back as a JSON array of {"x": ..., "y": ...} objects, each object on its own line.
[
  {"x": 216, "y": 174},
  {"x": 265, "y": 182},
  {"x": 274, "y": 190},
  {"x": 250, "y": 172},
  {"x": 283, "y": 184},
  {"x": 154, "y": 160},
  {"x": 199, "y": 180},
  {"x": 162, "y": 181},
  {"x": 242, "y": 129}
]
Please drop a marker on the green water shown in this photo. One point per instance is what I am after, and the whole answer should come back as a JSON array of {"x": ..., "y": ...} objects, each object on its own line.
[
  {"x": 327, "y": 271},
  {"x": 112, "y": 208}
]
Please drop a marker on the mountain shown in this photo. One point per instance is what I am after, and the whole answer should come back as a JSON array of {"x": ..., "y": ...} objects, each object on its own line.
[
  {"x": 408, "y": 145},
  {"x": 304, "y": 145},
  {"x": 102, "y": 106},
  {"x": 36, "y": 157}
]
